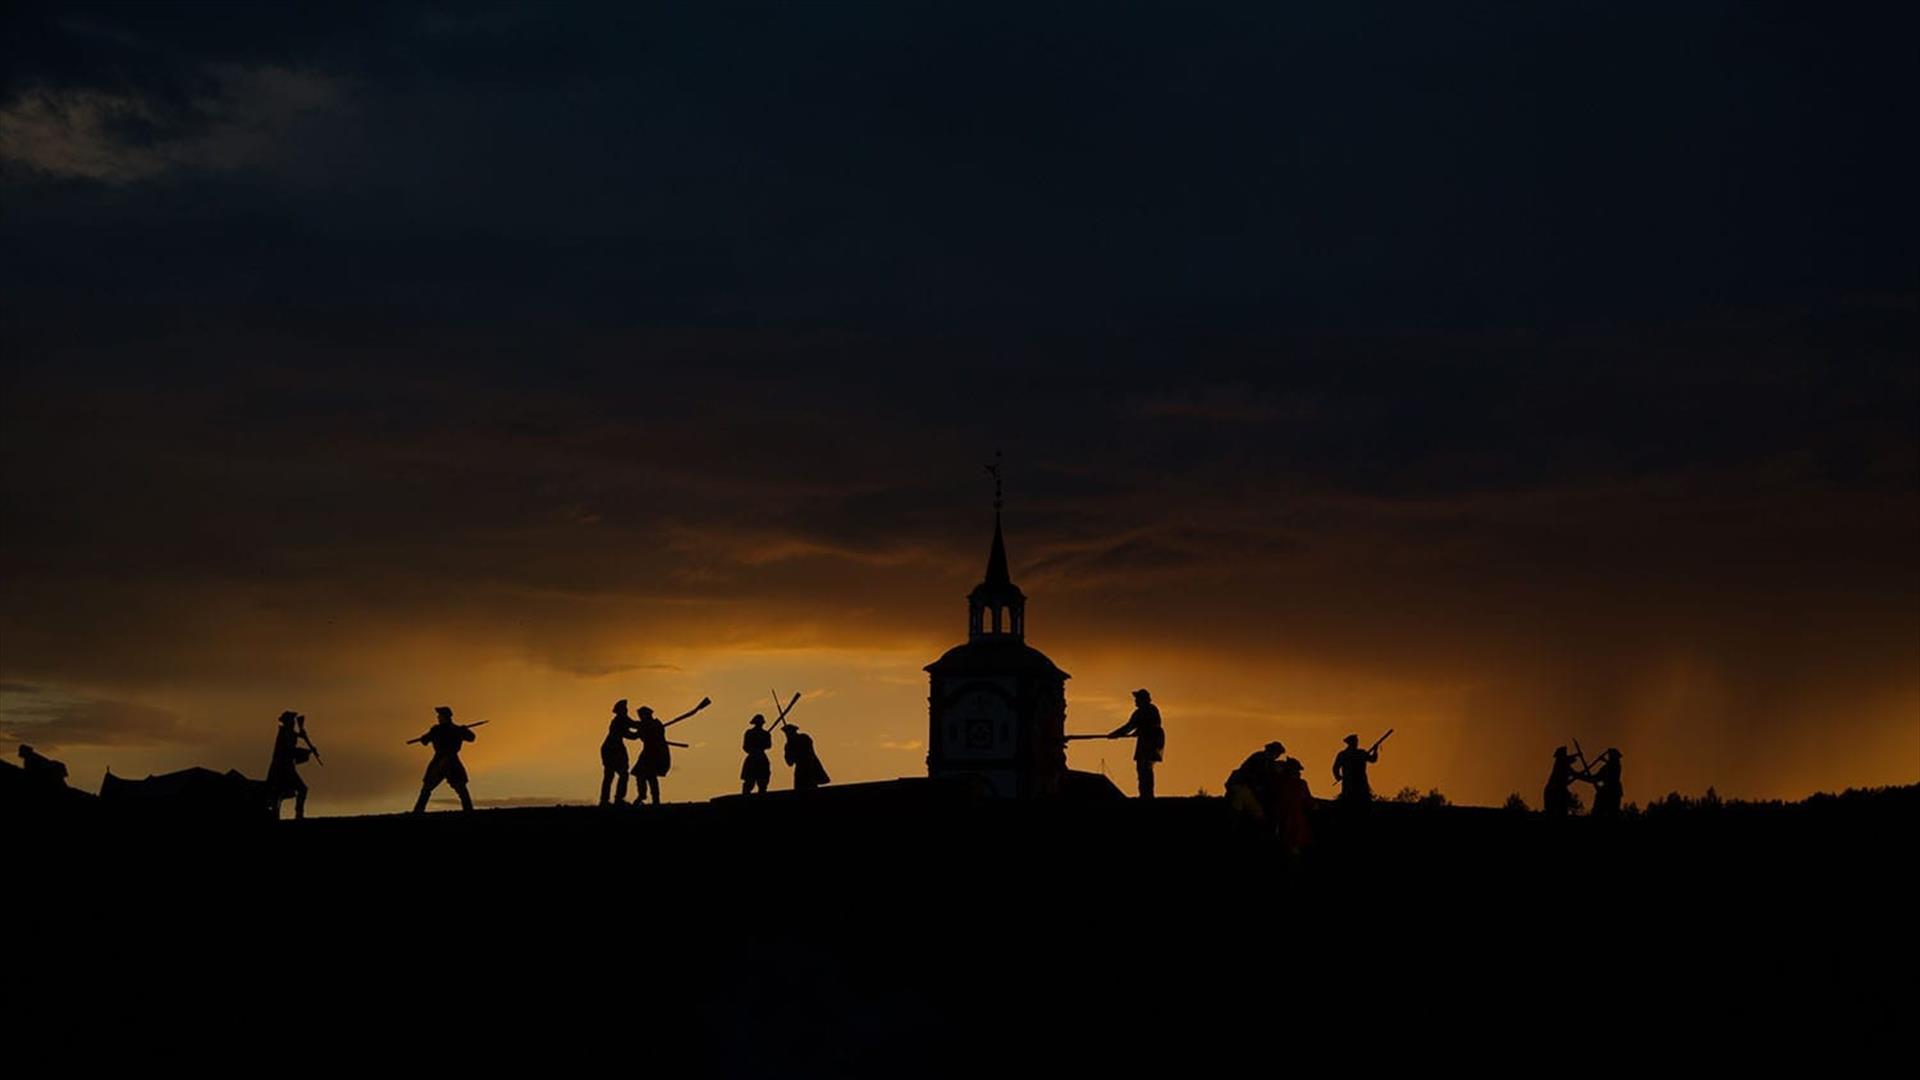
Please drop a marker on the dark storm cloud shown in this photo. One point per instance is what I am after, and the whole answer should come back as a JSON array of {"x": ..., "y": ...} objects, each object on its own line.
[{"x": 1351, "y": 165}]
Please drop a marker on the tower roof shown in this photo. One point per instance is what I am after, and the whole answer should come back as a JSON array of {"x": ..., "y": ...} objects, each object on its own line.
[
  {"x": 997, "y": 558},
  {"x": 998, "y": 584}
]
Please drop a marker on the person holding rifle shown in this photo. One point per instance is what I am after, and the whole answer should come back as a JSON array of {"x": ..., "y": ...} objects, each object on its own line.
[
  {"x": 1557, "y": 799},
  {"x": 613, "y": 753},
  {"x": 1350, "y": 772},
  {"x": 654, "y": 760},
  {"x": 1149, "y": 738},
  {"x": 283, "y": 773},
  {"x": 446, "y": 738},
  {"x": 656, "y": 755}
]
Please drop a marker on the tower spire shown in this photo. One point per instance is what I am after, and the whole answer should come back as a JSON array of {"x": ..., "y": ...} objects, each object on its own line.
[
  {"x": 997, "y": 573},
  {"x": 996, "y": 608}
]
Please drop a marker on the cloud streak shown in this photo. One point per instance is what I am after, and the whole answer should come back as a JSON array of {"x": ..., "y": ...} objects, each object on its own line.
[{"x": 53, "y": 719}]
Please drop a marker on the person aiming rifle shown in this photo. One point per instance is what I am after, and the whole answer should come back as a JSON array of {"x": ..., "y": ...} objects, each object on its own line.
[
  {"x": 613, "y": 753},
  {"x": 1149, "y": 739},
  {"x": 656, "y": 757},
  {"x": 446, "y": 738},
  {"x": 1350, "y": 771},
  {"x": 283, "y": 772}
]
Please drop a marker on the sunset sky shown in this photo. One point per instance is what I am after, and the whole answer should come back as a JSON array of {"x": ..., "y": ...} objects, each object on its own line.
[{"x": 1503, "y": 374}]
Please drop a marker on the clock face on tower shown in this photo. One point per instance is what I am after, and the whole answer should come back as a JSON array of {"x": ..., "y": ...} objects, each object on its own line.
[{"x": 978, "y": 724}]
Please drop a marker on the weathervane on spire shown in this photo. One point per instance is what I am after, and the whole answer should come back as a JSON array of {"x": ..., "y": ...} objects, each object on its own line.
[{"x": 993, "y": 470}]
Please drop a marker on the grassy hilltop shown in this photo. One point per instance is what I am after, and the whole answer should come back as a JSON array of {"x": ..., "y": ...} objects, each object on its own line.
[{"x": 839, "y": 933}]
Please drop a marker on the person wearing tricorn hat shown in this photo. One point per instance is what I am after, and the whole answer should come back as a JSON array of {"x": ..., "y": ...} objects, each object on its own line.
[
  {"x": 756, "y": 771},
  {"x": 1557, "y": 799},
  {"x": 808, "y": 773},
  {"x": 655, "y": 757},
  {"x": 283, "y": 773},
  {"x": 613, "y": 753},
  {"x": 446, "y": 738},
  {"x": 1605, "y": 778},
  {"x": 1350, "y": 772},
  {"x": 1149, "y": 738}
]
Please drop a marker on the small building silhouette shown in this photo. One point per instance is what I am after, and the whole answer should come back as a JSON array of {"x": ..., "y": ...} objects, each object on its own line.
[{"x": 997, "y": 707}]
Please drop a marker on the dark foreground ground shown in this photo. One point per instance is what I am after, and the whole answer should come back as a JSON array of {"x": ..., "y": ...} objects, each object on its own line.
[{"x": 912, "y": 932}]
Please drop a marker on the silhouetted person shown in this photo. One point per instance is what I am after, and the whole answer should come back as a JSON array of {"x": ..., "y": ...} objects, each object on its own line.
[
  {"x": 1350, "y": 772},
  {"x": 655, "y": 757},
  {"x": 446, "y": 738},
  {"x": 808, "y": 773},
  {"x": 41, "y": 769},
  {"x": 613, "y": 753},
  {"x": 283, "y": 773},
  {"x": 1291, "y": 803},
  {"x": 1149, "y": 738},
  {"x": 1253, "y": 787},
  {"x": 756, "y": 771},
  {"x": 1557, "y": 799},
  {"x": 1605, "y": 778}
]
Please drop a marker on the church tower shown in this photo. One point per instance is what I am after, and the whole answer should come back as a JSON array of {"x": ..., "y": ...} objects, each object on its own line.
[{"x": 997, "y": 707}]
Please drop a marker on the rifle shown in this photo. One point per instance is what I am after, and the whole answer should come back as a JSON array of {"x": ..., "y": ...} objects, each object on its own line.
[
  {"x": 300, "y": 726},
  {"x": 1071, "y": 738},
  {"x": 704, "y": 702},
  {"x": 1585, "y": 765},
  {"x": 422, "y": 740},
  {"x": 681, "y": 745},
  {"x": 782, "y": 718}
]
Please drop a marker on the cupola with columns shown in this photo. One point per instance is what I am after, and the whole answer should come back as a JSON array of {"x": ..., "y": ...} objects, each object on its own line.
[{"x": 996, "y": 706}]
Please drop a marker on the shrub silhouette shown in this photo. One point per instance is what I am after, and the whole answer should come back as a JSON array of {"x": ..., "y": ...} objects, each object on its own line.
[{"x": 1514, "y": 804}]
